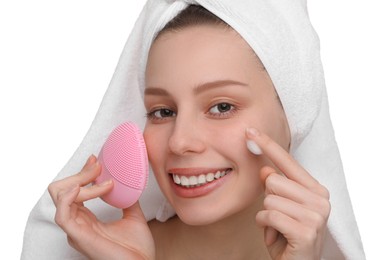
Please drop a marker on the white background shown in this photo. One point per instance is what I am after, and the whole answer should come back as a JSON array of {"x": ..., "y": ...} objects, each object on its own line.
[{"x": 57, "y": 58}]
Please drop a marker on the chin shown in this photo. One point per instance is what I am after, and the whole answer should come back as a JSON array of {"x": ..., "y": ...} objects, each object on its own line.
[
  {"x": 202, "y": 212},
  {"x": 200, "y": 217}
]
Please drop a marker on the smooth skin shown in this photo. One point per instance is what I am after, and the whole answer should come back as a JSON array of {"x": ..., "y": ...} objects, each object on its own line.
[{"x": 267, "y": 207}]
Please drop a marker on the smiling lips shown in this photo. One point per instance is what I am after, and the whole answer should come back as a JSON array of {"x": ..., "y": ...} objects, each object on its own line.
[{"x": 197, "y": 180}]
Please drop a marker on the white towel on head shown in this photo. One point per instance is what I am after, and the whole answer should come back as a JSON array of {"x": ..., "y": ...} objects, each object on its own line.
[{"x": 280, "y": 33}]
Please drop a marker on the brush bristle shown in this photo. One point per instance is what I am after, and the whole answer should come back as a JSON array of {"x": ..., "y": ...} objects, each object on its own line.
[{"x": 125, "y": 156}]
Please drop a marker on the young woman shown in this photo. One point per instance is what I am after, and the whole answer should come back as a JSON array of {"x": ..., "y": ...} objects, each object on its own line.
[{"x": 221, "y": 144}]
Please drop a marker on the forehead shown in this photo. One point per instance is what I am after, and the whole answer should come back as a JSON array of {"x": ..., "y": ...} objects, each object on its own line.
[{"x": 199, "y": 53}]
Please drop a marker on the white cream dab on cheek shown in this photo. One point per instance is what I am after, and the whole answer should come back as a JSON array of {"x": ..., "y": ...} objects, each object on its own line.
[{"x": 253, "y": 147}]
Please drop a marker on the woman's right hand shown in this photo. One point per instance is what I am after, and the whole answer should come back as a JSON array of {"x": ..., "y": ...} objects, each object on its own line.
[{"x": 127, "y": 238}]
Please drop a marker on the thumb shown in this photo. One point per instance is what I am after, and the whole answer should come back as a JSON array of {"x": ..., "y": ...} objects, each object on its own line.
[{"x": 134, "y": 212}]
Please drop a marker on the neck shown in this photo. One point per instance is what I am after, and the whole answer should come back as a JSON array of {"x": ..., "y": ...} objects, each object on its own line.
[{"x": 236, "y": 237}]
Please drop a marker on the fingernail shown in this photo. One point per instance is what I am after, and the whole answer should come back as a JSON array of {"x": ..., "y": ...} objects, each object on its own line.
[
  {"x": 92, "y": 165},
  {"x": 252, "y": 132},
  {"x": 253, "y": 147},
  {"x": 89, "y": 160}
]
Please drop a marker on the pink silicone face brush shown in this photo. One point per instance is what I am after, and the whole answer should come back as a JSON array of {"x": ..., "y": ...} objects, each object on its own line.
[{"x": 124, "y": 160}]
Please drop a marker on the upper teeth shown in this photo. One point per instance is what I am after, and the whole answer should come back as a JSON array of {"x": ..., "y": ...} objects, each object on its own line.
[{"x": 192, "y": 181}]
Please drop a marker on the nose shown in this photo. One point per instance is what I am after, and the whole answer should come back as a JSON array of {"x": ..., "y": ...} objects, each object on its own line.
[{"x": 185, "y": 138}]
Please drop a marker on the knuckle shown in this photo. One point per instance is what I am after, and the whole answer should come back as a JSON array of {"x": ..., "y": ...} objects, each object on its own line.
[
  {"x": 322, "y": 191},
  {"x": 327, "y": 207},
  {"x": 52, "y": 188},
  {"x": 308, "y": 236},
  {"x": 59, "y": 220},
  {"x": 317, "y": 221},
  {"x": 324, "y": 207},
  {"x": 51, "y": 191},
  {"x": 54, "y": 191},
  {"x": 269, "y": 201}
]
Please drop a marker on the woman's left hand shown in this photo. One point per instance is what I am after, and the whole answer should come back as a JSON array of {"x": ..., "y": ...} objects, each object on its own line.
[{"x": 296, "y": 206}]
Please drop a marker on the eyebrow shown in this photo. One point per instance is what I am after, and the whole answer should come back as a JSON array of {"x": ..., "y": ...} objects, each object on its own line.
[
  {"x": 198, "y": 89},
  {"x": 216, "y": 84},
  {"x": 156, "y": 91}
]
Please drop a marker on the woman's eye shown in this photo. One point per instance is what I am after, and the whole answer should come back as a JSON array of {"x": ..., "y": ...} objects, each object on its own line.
[
  {"x": 222, "y": 109},
  {"x": 161, "y": 113}
]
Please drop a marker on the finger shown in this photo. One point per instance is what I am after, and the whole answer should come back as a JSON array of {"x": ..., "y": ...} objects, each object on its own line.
[
  {"x": 296, "y": 238},
  {"x": 266, "y": 171},
  {"x": 270, "y": 235},
  {"x": 292, "y": 230},
  {"x": 281, "y": 158},
  {"x": 91, "y": 159},
  {"x": 292, "y": 191},
  {"x": 275, "y": 219},
  {"x": 134, "y": 212},
  {"x": 88, "y": 173},
  {"x": 314, "y": 219},
  {"x": 65, "y": 200},
  {"x": 88, "y": 193},
  {"x": 86, "y": 176}
]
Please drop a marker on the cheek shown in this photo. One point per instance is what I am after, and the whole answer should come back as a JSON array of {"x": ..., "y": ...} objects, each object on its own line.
[
  {"x": 275, "y": 125},
  {"x": 231, "y": 143},
  {"x": 228, "y": 139},
  {"x": 226, "y": 134},
  {"x": 271, "y": 120},
  {"x": 155, "y": 146}
]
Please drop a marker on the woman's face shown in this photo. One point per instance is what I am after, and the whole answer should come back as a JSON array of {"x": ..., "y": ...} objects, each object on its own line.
[{"x": 204, "y": 87}]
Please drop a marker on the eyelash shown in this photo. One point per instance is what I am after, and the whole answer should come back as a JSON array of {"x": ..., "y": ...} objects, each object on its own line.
[
  {"x": 152, "y": 114},
  {"x": 232, "y": 110}
]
